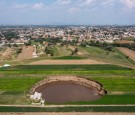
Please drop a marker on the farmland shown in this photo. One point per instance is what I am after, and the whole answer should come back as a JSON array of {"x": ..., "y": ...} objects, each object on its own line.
[
  {"x": 97, "y": 55},
  {"x": 128, "y": 52},
  {"x": 119, "y": 81},
  {"x": 69, "y": 109},
  {"x": 67, "y": 62}
]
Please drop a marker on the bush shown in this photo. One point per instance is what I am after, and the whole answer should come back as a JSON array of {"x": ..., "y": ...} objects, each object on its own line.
[{"x": 19, "y": 50}]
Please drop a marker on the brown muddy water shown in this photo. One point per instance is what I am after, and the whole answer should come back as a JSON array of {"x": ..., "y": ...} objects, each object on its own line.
[{"x": 62, "y": 92}]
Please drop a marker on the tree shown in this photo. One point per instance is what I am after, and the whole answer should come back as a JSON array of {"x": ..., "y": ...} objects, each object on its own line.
[
  {"x": 83, "y": 44},
  {"x": 127, "y": 57},
  {"x": 9, "y": 45},
  {"x": 76, "y": 50},
  {"x": 107, "y": 53},
  {"x": 28, "y": 43},
  {"x": 73, "y": 52},
  {"x": 51, "y": 53},
  {"x": 48, "y": 50},
  {"x": 9, "y": 35},
  {"x": 19, "y": 50},
  {"x": 15, "y": 45}
]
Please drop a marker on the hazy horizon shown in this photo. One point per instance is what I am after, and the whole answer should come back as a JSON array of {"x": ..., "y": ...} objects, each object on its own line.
[{"x": 67, "y": 12}]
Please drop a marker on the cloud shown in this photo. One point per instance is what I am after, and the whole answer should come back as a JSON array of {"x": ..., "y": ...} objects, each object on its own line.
[
  {"x": 20, "y": 6},
  {"x": 130, "y": 4},
  {"x": 108, "y": 2},
  {"x": 73, "y": 10},
  {"x": 64, "y": 1},
  {"x": 86, "y": 2},
  {"x": 38, "y": 6}
]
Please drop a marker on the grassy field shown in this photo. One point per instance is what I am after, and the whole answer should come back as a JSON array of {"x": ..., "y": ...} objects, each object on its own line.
[
  {"x": 118, "y": 81},
  {"x": 93, "y": 53},
  {"x": 130, "y": 61},
  {"x": 109, "y": 100},
  {"x": 68, "y": 67},
  {"x": 16, "y": 89},
  {"x": 69, "y": 57},
  {"x": 60, "y": 51},
  {"x": 102, "y": 55},
  {"x": 68, "y": 109}
]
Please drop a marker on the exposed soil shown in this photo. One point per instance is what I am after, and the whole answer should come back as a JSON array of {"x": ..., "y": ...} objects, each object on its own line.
[
  {"x": 65, "y": 62},
  {"x": 7, "y": 53},
  {"x": 128, "y": 52},
  {"x": 27, "y": 53},
  {"x": 124, "y": 42}
]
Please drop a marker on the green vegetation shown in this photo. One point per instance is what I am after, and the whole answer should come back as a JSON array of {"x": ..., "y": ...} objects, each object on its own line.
[
  {"x": 118, "y": 81},
  {"x": 9, "y": 35},
  {"x": 125, "y": 57},
  {"x": 69, "y": 67},
  {"x": 113, "y": 57},
  {"x": 109, "y": 100},
  {"x": 74, "y": 52},
  {"x": 62, "y": 51},
  {"x": 70, "y": 109},
  {"x": 17, "y": 84},
  {"x": 56, "y": 51},
  {"x": 49, "y": 50},
  {"x": 69, "y": 57},
  {"x": 90, "y": 52}
]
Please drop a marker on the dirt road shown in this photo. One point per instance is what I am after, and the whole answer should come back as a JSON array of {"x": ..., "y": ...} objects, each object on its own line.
[{"x": 65, "y": 62}]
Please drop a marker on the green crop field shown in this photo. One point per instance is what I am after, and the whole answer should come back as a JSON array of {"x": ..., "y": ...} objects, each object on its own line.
[
  {"x": 110, "y": 100},
  {"x": 69, "y": 109},
  {"x": 118, "y": 81},
  {"x": 68, "y": 67},
  {"x": 69, "y": 57}
]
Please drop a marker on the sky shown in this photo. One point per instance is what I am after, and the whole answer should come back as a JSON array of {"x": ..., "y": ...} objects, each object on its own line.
[{"x": 67, "y": 12}]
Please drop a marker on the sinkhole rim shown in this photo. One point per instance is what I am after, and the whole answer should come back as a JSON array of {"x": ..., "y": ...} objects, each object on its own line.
[{"x": 79, "y": 80}]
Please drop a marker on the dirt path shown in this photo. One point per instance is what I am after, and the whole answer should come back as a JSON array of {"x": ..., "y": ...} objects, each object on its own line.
[
  {"x": 27, "y": 52},
  {"x": 65, "y": 62},
  {"x": 66, "y": 113},
  {"x": 128, "y": 52}
]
